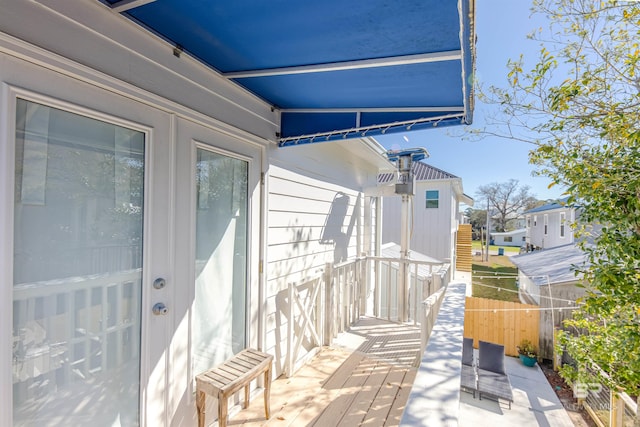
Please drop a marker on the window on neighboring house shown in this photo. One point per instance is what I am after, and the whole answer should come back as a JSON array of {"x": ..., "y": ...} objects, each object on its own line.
[
  {"x": 524, "y": 238},
  {"x": 546, "y": 225},
  {"x": 432, "y": 199},
  {"x": 508, "y": 239},
  {"x": 528, "y": 221},
  {"x": 535, "y": 220},
  {"x": 563, "y": 217}
]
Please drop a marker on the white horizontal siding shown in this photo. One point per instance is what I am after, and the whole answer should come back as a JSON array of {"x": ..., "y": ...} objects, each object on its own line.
[
  {"x": 433, "y": 229},
  {"x": 315, "y": 216}
]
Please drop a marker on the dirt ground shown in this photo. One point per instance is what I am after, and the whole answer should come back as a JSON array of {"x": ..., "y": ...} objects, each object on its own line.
[{"x": 579, "y": 416}]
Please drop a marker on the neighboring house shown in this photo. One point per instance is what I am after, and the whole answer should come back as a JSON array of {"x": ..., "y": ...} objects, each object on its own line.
[
  {"x": 436, "y": 209},
  {"x": 161, "y": 186},
  {"x": 548, "y": 279},
  {"x": 509, "y": 238},
  {"x": 549, "y": 225}
]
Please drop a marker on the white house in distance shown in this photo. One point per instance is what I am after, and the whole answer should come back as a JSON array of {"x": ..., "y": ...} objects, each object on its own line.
[
  {"x": 162, "y": 185},
  {"x": 436, "y": 212},
  {"x": 509, "y": 238},
  {"x": 549, "y": 225}
]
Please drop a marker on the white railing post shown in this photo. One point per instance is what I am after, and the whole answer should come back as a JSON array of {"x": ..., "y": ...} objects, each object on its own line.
[
  {"x": 329, "y": 315},
  {"x": 290, "y": 333}
]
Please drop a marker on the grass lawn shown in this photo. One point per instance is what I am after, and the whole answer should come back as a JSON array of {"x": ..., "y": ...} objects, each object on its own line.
[
  {"x": 476, "y": 246},
  {"x": 495, "y": 279}
]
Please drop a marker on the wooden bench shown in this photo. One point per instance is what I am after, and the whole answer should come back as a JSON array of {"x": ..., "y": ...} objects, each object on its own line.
[{"x": 226, "y": 379}]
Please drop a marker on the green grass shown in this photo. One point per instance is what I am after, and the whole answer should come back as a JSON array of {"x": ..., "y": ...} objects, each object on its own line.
[
  {"x": 495, "y": 282},
  {"x": 476, "y": 246}
]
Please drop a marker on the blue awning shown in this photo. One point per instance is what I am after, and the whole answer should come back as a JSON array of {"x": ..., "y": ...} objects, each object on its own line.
[{"x": 333, "y": 68}]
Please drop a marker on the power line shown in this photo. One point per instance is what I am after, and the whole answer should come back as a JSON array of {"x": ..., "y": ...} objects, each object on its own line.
[{"x": 516, "y": 291}]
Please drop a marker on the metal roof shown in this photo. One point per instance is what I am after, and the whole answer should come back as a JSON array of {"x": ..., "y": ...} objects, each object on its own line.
[
  {"x": 558, "y": 264},
  {"x": 334, "y": 69},
  {"x": 421, "y": 171},
  {"x": 558, "y": 204}
]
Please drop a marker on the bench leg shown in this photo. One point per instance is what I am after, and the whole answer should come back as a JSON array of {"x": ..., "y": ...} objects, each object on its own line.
[
  {"x": 267, "y": 393},
  {"x": 246, "y": 396},
  {"x": 200, "y": 402},
  {"x": 222, "y": 411}
]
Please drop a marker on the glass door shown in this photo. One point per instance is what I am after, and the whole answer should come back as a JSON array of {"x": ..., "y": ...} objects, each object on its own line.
[
  {"x": 220, "y": 303},
  {"x": 77, "y": 288}
]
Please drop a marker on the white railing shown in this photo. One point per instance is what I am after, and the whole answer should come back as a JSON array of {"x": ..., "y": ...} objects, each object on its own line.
[
  {"x": 322, "y": 307},
  {"x": 392, "y": 301}
]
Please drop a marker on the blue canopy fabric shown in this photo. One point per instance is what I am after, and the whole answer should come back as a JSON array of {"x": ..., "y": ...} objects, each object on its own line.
[{"x": 334, "y": 68}]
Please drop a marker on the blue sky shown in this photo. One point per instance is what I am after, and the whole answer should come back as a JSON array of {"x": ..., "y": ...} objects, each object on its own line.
[{"x": 501, "y": 28}]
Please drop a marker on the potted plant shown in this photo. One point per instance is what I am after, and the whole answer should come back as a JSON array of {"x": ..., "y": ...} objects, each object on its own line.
[{"x": 527, "y": 352}]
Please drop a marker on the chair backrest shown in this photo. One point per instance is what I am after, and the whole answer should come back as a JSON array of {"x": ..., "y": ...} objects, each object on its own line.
[
  {"x": 491, "y": 357},
  {"x": 467, "y": 351}
]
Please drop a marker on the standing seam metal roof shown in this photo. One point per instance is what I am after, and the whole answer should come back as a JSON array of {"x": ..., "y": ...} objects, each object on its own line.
[{"x": 421, "y": 171}]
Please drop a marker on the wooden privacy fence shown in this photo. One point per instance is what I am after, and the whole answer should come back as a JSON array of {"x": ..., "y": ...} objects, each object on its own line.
[{"x": 501, "y": 322}]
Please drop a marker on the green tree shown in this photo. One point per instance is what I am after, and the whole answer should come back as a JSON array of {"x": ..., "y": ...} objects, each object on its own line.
[
  {"x": 478, "y": 219},
  {"x": 581, "y": 106}
]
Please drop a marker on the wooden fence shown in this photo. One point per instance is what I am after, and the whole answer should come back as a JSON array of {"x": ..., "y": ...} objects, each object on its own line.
[
  {"x": 464, "y": 258},
  {"x": 501, "y": 322}
]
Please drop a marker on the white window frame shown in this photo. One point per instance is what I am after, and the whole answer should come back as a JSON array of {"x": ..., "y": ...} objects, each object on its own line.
[
  {"x": 427, "y": 199},
  {"x": 546, "y": 224}
]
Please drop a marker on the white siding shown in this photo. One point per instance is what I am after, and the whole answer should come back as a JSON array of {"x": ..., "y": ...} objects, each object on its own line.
[
  {"x": 552, "y": 239},
  {"x": 316, "y": 215},
  {"x": 433, "y": 229}
]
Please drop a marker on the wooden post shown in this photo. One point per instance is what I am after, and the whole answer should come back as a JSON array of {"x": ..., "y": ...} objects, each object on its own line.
[{"x": 617, "y": 410}]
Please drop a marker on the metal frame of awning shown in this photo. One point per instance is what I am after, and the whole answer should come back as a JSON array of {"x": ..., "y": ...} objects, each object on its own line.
[{"x": 362, "y": 131}]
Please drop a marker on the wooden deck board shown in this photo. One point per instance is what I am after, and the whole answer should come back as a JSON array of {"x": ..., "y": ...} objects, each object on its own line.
[{"x": 341, "y": 387}]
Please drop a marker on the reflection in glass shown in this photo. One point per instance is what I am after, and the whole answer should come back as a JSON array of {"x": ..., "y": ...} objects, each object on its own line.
[
  {"x": 77, "y": 269},
  {"x": 219, "y": 312}
]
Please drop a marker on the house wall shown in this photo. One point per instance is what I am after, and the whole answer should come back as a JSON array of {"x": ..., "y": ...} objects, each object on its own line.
[
  {"x": 317, "y": 215},
  {"x": 433, "y": 229},
  {"x": 517, "y": 239},
  {"x": 536, "y": 235}
]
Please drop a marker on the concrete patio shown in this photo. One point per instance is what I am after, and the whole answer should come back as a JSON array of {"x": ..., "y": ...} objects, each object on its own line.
[{"x": 535, "y": 402}]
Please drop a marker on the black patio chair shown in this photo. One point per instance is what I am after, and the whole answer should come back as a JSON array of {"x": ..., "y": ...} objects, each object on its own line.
[
  {"x": 492, "y": 377},
  {"x": 468, "y": 378}
]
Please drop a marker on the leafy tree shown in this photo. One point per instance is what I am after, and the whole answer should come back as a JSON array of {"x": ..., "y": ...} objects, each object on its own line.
[
  {"x": 506, "y": 201},
  {"x": 477, "y": 218},
  {"x": 581, "y": 106}
]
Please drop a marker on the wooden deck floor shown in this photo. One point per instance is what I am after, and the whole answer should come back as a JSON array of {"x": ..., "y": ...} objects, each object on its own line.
[{"x": 365, "y": 379}]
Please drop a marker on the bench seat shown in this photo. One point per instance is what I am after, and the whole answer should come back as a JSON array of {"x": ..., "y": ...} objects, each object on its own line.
[{"x": 226, "y": 379}]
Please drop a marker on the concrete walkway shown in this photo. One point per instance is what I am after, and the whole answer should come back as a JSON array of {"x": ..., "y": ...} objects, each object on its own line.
[{"x": 535, "y": 402}]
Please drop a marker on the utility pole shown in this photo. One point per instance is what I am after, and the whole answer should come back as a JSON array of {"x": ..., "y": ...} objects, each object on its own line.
[{"x": 487, "y": 240}]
